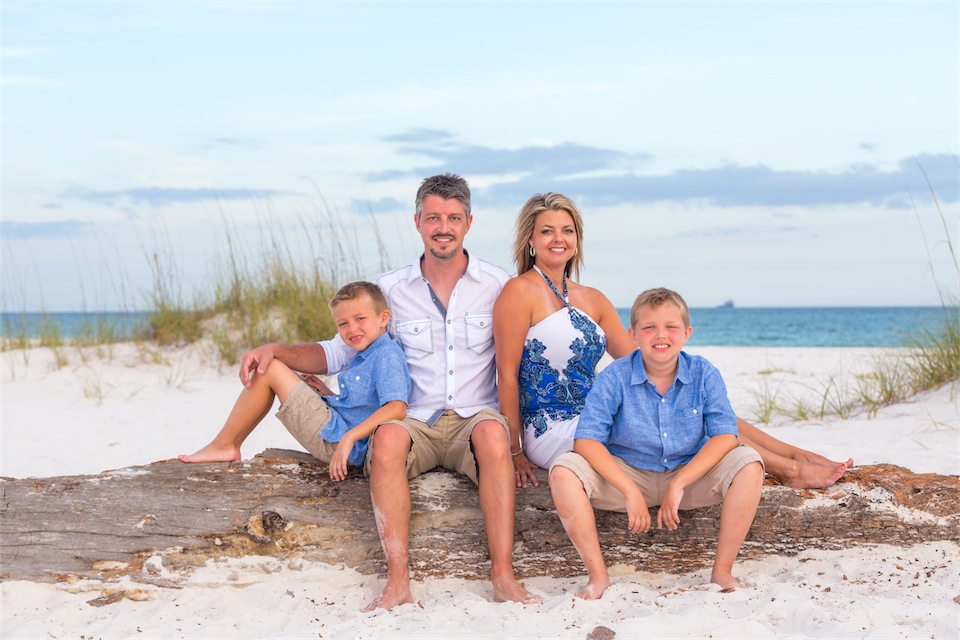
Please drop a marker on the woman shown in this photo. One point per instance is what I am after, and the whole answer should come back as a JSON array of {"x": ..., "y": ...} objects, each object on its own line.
[{"x": 550, "y": 333}]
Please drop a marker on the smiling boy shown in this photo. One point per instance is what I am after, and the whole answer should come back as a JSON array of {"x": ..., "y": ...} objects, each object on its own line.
[
  {"x": 657, "y": 429},
  {"x": 334, "y": 428}
]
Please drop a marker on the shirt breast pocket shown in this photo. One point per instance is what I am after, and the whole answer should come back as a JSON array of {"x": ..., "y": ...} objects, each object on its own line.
[
  {"x": 479, "y": 331},
  {"x": 416, "y": 338},
  {"x": 690, "y": 419}
]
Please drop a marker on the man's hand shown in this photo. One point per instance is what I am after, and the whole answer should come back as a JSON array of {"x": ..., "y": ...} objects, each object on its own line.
[{"x": 258, "y": 359}]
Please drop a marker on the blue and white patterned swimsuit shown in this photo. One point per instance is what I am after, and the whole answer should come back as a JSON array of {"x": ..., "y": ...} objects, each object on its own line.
[{"x": 557, "y": 369}]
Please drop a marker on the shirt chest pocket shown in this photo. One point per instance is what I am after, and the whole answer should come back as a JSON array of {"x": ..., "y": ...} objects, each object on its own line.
[
  {"x": 479, "y": 331},
  {"x": 416, "y": 338},
  {"x": 690, "y": 419}
]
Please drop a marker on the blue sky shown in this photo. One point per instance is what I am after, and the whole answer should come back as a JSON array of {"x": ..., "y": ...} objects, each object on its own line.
[{"x": 772, "y": 153}]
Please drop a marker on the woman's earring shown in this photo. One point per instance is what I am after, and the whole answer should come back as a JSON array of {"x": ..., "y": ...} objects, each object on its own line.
[{"x": 533, "y": 252}]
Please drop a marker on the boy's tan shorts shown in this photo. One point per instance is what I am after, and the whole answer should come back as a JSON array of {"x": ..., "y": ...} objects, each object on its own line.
[
  {"x": 304, "y": 414},
  {"x": 446, "y": 444},
  {"x": 708, "y": 490}
]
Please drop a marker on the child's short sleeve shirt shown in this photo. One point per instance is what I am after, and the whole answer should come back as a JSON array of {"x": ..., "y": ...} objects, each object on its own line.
[
  {"x": 376, "y": 376},
  {"x": 656, "y": 432}
]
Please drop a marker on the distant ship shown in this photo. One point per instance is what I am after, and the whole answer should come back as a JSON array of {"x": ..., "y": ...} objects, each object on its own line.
[{"x": 726, "y": 305}]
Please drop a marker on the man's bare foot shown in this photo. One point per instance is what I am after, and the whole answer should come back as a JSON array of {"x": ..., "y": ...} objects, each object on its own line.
[
  {"x": 594, "y": 589},
  {"x": 726, "y": 580},
  {"x": 212, "y": 453},
  {"x": 392, "y": 596},
  {"x": 509, "y": 590},
  {"x": 809, "y": 475}
]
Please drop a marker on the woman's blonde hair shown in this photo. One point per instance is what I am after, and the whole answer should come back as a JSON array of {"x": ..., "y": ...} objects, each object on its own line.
[{"x": 537, "y": 204}]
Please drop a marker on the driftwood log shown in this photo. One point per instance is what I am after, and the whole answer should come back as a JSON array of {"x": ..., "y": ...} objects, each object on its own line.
[{"x": 283, "y": 504}]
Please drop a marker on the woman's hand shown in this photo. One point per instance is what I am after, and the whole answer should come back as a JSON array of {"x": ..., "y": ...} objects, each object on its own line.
[{"x": 523, "y": 470}]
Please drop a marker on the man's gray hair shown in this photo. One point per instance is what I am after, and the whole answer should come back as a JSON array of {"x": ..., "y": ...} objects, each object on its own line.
[{"x": 448, "y": 186}]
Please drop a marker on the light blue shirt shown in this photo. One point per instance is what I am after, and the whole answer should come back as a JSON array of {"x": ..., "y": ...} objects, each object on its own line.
[
  {"x": 376, "y": 376},
  {"x": 656, "y": 432}
]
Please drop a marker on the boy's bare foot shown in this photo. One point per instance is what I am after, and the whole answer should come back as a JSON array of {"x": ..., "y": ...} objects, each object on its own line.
[
  {"x": 392, "y": 596},
  {"x": 509, "y": 590},
  {"x": 594, "y": 589},
  {"x": 810, "y": 475},
  {"x": 212, "y": 453},
  {"x": 726, "y": 580}
]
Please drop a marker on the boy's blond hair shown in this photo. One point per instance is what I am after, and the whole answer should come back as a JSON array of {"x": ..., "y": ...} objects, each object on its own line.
[
  {"x": 656, "y": 298},
  {"x": 358, "y": 289}
]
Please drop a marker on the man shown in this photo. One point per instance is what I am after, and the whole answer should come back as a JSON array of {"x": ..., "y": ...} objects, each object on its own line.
[{"x": 442, "y": 314}]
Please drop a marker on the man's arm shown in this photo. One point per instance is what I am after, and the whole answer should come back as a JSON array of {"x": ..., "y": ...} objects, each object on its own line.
[{"x": 307, "y": 358}]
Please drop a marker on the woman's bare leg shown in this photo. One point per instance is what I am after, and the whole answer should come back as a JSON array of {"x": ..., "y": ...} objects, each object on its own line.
[
  {"x": 792, "y": 466},
  {"x": 251, "y": 407}
]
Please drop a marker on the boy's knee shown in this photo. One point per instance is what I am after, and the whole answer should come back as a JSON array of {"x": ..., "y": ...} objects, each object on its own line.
[
  {"x": 564, "y": 479},
  {"x": 751, "y": 473}
]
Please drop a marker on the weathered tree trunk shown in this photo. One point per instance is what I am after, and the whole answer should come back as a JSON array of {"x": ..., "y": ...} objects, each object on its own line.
[{"x": 282, "y": 503}]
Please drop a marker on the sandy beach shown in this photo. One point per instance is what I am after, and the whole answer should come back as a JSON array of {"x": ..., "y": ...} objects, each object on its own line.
[{"x": 129, "y": 405}]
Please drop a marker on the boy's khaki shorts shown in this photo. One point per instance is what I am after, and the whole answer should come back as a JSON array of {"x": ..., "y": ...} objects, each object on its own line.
[
  {"x": 446, "y": 444},
  {"x": 304, "y": 414},
  {"x": 708, "y": 490}
]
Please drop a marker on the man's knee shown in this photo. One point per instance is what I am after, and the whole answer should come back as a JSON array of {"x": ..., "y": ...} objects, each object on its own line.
[
  {"x": 389, "y": 443},
  {"x": 490, "y": 438}
]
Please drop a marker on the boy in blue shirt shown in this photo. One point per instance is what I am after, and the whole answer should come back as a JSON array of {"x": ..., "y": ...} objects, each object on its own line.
[
  {"x": 334, "y": 428},
  {"x": 657, "y": 429}
]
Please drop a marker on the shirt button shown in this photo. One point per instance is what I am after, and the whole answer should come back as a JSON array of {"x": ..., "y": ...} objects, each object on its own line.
[
  {"x": 449, "y": 397},
  {"x": 450, "y": 347},
  {"x": 451, "y": 371},
  {"x": 663, "y": 400},
  {"x": 664, "y": 434},
  {"x": 357, "y": 378},
  {"x": 449, "y": 321},
  {"x": 694, "y": 412}
]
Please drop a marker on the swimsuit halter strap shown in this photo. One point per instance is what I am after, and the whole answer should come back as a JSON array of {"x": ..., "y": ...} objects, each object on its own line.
[{"x": 564, "y": 298}]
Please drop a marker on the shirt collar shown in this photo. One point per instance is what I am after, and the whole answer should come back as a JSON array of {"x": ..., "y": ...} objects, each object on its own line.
[
  {"x": 474, "y": 270},
  {"x": 376, "y": 344},
  {"x": 639, "y": 372}
]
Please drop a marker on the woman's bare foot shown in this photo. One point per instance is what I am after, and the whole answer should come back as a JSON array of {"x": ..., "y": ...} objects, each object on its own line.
[
  {"x": 393, "y": 595},
  {"x": 212, "y": 453},
  {"x": 594, "y": 589},
  {"x": 509, "y": 590},
  {"x": 811, "y": 475}
]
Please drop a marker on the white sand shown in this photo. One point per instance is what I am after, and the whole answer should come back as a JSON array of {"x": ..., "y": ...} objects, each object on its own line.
[{"x": 135, "y": 405}]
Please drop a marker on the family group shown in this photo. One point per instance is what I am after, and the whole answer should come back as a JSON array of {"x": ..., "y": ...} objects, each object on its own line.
[{"x": 449, "y": 362}]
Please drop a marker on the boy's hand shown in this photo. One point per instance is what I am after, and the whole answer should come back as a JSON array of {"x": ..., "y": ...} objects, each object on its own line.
[
  {"x": 669, "y": 513},
  {"x": 338, "y": 463},
  {"x": 637, "y": 511}
]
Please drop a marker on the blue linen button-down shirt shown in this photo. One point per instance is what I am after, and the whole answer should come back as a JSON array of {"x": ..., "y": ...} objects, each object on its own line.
[
  {"x": 376, "y": 376},
  {"x": 656, "y": 432}
]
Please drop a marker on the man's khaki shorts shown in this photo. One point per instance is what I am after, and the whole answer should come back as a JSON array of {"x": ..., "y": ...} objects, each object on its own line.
[
  {"x": 304, "y": 414},
  {"x": 446, "y": 444},
  {"x": 708, "y": 490}
]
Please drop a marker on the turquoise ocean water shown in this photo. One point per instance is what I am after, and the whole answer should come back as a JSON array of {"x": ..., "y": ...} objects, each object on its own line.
[{"x": 721, "y": 326}]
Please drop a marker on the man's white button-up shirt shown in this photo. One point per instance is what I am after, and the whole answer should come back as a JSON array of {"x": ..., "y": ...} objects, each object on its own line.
[{"x": 451, "y": 357}]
